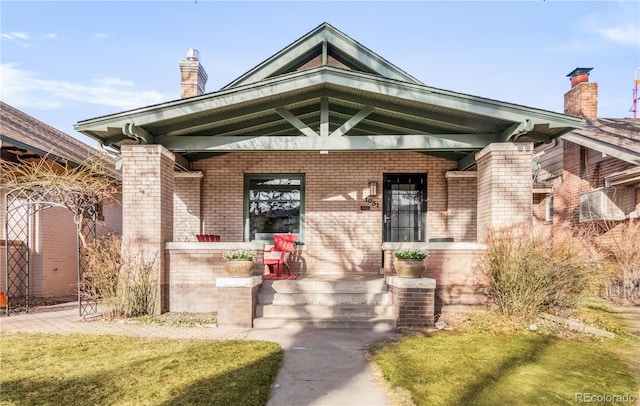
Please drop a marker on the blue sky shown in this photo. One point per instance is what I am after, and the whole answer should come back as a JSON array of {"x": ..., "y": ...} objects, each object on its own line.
[{"x": 64, "y": 61}]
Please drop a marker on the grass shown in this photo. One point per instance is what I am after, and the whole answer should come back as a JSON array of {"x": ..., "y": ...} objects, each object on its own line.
[
  {"x": 488, "y": 366},
  {"x": 42, "y": 369},
  {"x": 187, "y": 321}
]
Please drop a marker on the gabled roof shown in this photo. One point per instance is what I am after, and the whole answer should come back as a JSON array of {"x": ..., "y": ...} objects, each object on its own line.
[
  {"x": 324, "y": 45},
  {"x": 23, "y": 136},
  {"x": 300, "y": 100},
  {"x": 619, "y": 138}
]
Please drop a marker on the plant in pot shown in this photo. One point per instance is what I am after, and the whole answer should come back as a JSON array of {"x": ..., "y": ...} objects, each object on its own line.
[
  {"x": 239, "y": 263},
  {"x": 410, "y": 262}
]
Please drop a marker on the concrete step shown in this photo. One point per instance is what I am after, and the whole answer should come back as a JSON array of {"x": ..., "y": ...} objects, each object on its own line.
[
  {"x": 363, "y": 302},
  {"x": 324, "y": 312},
  {"x": 328, "y": 299},
  {"x": 373, "y": 324},
  {"x": 325, "y": 286}
]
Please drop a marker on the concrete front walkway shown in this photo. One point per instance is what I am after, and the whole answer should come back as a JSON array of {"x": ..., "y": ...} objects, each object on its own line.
[{"x": 321, "y": 366}]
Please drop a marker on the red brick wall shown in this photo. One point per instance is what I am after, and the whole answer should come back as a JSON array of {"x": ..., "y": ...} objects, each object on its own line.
[
  {"x": 577, "y": 178},
  {"x": 339, "y": 237},
  {"x": 415, "y": 306},
  {"x": 582, "y": 100}
]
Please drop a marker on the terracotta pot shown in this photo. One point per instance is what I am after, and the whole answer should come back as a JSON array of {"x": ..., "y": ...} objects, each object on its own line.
[
  {"x": 239, "y": 268},
  {"x": 410, "y": 268}
]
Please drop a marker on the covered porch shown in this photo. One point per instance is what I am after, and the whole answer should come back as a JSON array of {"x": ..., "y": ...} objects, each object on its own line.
[{"x": 348, "y": 152}]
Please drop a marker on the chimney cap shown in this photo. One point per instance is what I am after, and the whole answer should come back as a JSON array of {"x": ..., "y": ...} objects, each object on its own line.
[
  {"x": 192, "y": 54},
  {"x": 579, "y": 71}
]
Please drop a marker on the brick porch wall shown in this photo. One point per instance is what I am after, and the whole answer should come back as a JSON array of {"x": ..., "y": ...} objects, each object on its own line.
[
  {"x": 193, "y": 269},
  {"x": 455, "y": 268},
  {"x": 339, "y": 237},
  {"x": 504, "y": 186}
]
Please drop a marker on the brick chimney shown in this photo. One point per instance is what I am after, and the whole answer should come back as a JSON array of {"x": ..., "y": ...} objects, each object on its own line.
[
  {"x": 582, "y": 99},
  {"x": 193, "y": 77}
]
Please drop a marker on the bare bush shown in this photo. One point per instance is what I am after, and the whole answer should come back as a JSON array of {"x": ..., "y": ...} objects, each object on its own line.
[
  {"x": 621, "y": 243},
  {"x": 527, "y": 273},
  {"x": 125, "y": 280}
]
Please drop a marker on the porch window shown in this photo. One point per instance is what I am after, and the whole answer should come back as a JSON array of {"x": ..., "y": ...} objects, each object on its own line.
[{"x": 273, "y": 204}]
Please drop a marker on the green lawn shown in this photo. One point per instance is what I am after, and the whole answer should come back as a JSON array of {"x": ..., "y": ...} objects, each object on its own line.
[
  {"x": 40, "y": 369},
  {"x": 480, "y": 366}
]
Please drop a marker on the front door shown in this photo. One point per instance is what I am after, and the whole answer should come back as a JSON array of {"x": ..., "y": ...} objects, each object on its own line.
[{"x": 404, "y": 207}]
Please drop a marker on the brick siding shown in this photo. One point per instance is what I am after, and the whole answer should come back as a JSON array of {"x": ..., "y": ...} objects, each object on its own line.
[
  {"x": 147, "y": 201},
  {"x": 504, "y": 186},
  {"x": 339, "y": 237},
  {"x": 414, "y": 306},
  {"x": 186, "y": 206}
]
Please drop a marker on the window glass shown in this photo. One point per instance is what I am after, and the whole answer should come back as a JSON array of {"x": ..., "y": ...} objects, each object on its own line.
[{"x": 273, "y": 204}]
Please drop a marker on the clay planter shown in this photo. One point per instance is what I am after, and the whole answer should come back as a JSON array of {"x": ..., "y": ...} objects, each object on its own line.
[
  {"x": 239, "y": 268},
  {"x": 410, "y": 268}
]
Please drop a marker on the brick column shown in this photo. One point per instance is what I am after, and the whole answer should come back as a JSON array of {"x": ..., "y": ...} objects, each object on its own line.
[
  {"x": 414, "y": 300},
  {"x": 147, "y": 206},
  {"x": 237, "y": 299},
  {"x": 504, "y": 186}
]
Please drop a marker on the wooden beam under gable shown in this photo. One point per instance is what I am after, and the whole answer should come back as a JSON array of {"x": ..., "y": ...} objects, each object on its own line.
[
  {"x": 324, "y": 117},
  {"x": 353, "y": 121},
  {"x": 418, "y": 142},
  {"x": 295, "y": 122}
]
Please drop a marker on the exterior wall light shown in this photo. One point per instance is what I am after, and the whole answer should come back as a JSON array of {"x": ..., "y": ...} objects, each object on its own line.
[{"x": 373, "y": 188}]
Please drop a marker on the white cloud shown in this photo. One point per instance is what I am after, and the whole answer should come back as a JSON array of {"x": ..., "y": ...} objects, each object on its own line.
[
  {"x": 103, "y": 35},
  {"x": 625, "y": 34},
  {"x": 14, "y": 35},
  {"x": 52, "y": 36},
  {"x": 26, "y": 89},
  {"x": 20, "y": 35},
  {"x": 110, "y": 81}
]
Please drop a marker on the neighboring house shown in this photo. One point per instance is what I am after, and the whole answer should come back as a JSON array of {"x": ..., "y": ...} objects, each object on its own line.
[
  {"x": 328, "y": 140},
  {"x": 590, "y": 173},
  {"x": 52, "y": 242}
]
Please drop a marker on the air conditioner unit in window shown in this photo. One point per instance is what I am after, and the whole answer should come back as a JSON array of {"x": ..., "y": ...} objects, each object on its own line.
[{"x": 607, "y": 203}]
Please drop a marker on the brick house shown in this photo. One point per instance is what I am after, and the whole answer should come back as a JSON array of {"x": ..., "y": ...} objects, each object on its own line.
[
  {"x": 328, "y": 140},
  {"x": 50, "y": 237},
  {"x": 590, "y": 173}
]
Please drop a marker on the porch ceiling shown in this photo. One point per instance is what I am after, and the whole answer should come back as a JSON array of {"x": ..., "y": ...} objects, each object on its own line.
[{"x": 328, "y": 108}]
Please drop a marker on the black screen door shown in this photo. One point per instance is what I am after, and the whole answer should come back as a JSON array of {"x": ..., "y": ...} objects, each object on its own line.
[{"x": 404, "y": 207}]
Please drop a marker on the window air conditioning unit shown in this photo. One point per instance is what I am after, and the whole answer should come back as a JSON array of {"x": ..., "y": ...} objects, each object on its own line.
[{"x": 607, "y": 203}]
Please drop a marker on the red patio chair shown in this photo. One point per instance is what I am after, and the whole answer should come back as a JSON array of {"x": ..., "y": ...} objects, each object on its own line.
[{"x": 284, "y": 244}]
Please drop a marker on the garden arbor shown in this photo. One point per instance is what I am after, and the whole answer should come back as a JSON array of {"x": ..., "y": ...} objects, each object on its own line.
[
  {"x": 34, "y": 186},
  {"x": 20, "y": 208}
]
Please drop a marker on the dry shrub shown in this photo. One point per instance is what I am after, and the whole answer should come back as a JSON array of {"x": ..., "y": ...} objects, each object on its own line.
[
  {"x": 527, "y": 273},
  {"x": 621, "y": 243},
  {"x": 125, "y": 280}
]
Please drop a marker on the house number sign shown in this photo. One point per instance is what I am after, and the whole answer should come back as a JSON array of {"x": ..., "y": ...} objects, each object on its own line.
[{"x": 371, "y": 202}]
